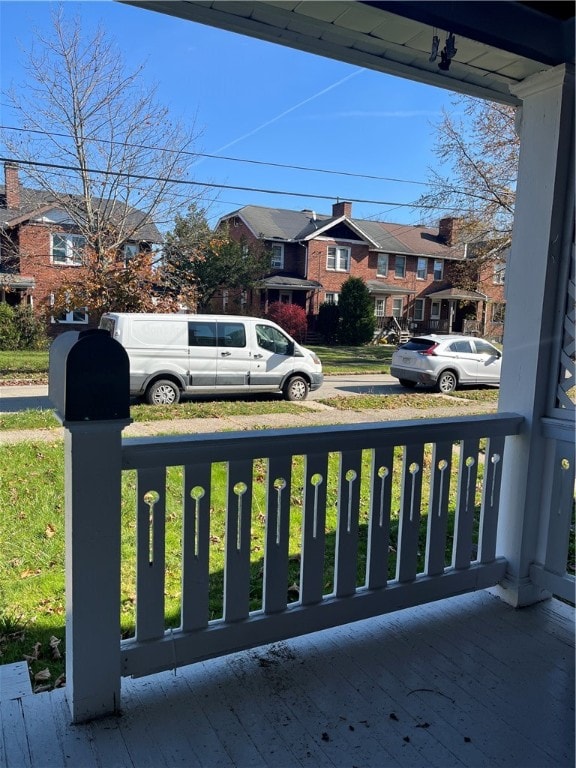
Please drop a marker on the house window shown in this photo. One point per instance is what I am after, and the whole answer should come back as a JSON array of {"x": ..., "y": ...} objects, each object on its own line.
[
  {"x": 419, "y": 310},
  {"x": 338, "y": 258},
  {"x": 331, "y": 298},
  {"x": 438, "y": 269},
  {"x": 498, "y": 312},
  {"x": 400, "y": 266},
  {"x": 422, "y": 268},
  {"x": 68, "y": 249},
  {"x": 74, "y": 316},
  {"x": 277, "y": 261},
  {"x": 435, "y": 310},
  {"x": 397, "y": 307},
  {"x": 382, "y": 266},
  {"x": 499, "y": 275},
  {"x": 380, "y": 307},
  {"x": 129, "y": 251}
]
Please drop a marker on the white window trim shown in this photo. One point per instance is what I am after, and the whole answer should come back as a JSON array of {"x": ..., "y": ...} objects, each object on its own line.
[
  {"x": 419, "y": 315},
  {"x": 380, "y": 307},
  {"x": 70, "y": 260},
  {"x": 384, "y": 273},
  {"x": 279, "y": 263},
  {"x": 395, "y": 311},
  {"x": 422, "y": 260},
  {"x": 338, "y": 249},
  {"x": 499, "y": 274},
  {"x": 333, "y": 297},
  {"x": 440, "y": 263},
  {"x": 403, "y": 275},
  {"x": 435, "y": 309}
]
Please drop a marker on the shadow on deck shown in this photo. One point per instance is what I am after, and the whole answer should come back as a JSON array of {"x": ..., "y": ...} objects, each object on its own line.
[{"x": 467, "y": 681}]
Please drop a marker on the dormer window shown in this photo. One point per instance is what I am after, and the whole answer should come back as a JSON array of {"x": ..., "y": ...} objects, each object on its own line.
[{"x": 68, "y": 250}]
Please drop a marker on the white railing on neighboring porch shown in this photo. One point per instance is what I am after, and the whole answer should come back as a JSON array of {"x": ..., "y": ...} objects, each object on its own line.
[{"x": 440, "y": 479}]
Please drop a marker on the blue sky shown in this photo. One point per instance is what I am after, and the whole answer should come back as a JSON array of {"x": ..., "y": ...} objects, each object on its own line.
[{"x": 262, "y": 102}]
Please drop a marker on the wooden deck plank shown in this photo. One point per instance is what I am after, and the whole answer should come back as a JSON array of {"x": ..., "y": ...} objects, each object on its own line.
[
  {"x": 468, "y": 681},
  {"x": 15, "y": 680}
]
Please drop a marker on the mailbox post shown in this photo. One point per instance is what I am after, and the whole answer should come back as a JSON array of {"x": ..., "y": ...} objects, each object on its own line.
[{"x": 89, "y": 388}]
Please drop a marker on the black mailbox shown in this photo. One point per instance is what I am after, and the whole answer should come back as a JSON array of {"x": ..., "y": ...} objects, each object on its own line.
[{"x": 89, "y": 377}]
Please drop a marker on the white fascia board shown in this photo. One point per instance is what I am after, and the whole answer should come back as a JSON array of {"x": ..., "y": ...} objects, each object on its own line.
[{"x": 318, "y": 233}]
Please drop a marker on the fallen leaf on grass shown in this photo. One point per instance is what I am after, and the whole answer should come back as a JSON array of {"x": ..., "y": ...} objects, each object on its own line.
[
  {"x": 54, "y": 643},
  {"x": 43, "y": 675}
]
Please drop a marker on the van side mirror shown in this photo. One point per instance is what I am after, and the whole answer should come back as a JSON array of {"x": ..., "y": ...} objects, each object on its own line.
[{"x": 290, "y": 349}]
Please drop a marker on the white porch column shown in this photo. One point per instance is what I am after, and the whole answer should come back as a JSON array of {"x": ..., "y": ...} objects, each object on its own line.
[{"x": 536, "y": 269}]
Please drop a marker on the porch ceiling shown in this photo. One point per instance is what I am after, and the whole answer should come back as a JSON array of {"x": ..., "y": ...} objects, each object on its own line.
[{"x": 498, "y": 45}]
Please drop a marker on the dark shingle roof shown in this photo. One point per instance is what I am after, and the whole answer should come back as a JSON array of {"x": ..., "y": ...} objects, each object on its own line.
[
  {"x": 34, "y": 200},
  {"x": 294, "y": 226}
]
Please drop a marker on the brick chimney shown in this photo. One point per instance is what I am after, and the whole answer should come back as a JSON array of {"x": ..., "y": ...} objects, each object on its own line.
[
  {"x": 342, "y": 209},
  {"x": 448, "y": 229},
  {"x": 12, "y": 185}
]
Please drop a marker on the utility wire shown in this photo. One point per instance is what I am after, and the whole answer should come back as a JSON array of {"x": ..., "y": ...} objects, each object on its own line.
[
  {"x": 225, "y": 157},
  {"x": 142, "y": 177}
]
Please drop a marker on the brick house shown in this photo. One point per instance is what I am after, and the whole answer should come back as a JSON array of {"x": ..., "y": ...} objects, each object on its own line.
[
  {"x": 41, "y": 248},
  {"x": 409, "y": 269}
]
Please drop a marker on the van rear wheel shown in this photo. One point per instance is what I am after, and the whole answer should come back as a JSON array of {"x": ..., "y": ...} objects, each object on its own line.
[
  {"x": 296, "y": 388},
  {"x": 162, "y": 392}
]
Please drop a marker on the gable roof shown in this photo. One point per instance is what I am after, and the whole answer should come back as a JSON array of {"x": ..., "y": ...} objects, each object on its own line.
[
  {"x": 35, "y": 202},
  {"x": 385, "y": 237}
]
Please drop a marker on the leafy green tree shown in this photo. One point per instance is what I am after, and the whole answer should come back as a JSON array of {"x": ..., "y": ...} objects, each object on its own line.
[
  {"x": 199, "y": 263},
  {"x": 356, "y": 312}
]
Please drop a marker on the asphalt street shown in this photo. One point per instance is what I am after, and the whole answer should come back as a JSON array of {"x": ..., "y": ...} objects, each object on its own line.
[{"x": 24, "y": 397}]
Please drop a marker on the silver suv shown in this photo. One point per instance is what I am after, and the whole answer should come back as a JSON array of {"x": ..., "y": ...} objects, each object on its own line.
[{"x": 445, "y": 362}]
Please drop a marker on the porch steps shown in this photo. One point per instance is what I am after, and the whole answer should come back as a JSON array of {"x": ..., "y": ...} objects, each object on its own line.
[{"x": 15, "y": 681}]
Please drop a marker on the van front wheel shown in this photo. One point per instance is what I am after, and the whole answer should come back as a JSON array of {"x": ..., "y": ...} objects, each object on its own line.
[
  {"x": 296, "y": 389},
  {"x": 162, "y": 392}
]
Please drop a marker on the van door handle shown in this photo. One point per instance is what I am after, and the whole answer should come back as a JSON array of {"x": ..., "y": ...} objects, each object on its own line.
[
  {"x": 225, "y": 354},
  {"x": 257, "y": 357}
]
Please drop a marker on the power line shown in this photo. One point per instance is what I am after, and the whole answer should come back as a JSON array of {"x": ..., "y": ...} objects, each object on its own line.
[
  {"x": 270, "y": 164},
  {"x": 143, "y": 177}
]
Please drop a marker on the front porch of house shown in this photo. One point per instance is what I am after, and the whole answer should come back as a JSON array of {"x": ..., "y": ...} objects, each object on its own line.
[{"x": 468, "y": 681}]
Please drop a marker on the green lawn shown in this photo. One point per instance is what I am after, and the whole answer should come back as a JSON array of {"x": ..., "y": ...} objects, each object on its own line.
[
  {"x": 32, "y": 602},
  {"x": 33, "y": 366}
]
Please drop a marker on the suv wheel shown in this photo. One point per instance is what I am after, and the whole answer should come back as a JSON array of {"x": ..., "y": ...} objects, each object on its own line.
[{"x": 446, "y": 382}]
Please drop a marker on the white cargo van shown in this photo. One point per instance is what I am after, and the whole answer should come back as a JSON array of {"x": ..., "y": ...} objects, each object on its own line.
[{"x": 175, "y": 355}]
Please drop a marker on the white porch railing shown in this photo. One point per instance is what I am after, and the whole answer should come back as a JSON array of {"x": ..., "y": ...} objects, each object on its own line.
[{"x": 446, "y": 471}]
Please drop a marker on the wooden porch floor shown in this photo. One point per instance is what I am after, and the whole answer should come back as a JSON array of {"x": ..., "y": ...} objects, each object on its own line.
[{"x": 468, "y": 681}]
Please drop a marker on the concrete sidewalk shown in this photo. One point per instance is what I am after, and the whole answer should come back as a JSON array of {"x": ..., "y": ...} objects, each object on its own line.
[{"x": 313, "y": 414}]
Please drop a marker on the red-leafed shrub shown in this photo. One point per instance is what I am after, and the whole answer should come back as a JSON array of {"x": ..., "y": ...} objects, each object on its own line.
[{"x": 291, "y": 317}]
